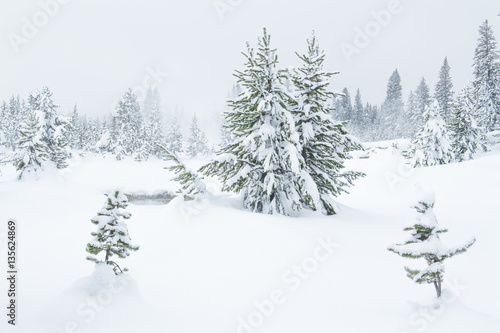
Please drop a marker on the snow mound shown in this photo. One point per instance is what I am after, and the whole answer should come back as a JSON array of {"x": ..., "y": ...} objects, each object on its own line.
[{"x": 102, "y": 302}]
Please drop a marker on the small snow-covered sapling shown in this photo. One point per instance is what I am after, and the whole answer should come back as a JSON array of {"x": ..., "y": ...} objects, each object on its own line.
[
  {"x": 425, "y": 243},
  {"x": 112, "y": 236}
]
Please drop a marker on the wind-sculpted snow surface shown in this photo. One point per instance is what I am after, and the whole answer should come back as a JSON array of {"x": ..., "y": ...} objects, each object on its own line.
[{"x": 205, "y": 264}]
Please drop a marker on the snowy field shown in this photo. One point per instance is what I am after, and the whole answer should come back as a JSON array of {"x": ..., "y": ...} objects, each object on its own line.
[{"x": 212, "y": 267}]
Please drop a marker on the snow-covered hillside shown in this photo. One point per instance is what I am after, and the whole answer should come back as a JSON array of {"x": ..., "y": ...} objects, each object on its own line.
[{"x": 213, "y": 267}]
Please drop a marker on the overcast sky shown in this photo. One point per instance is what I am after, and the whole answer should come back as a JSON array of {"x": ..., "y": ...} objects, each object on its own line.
[{"x": 89, "y": 52}]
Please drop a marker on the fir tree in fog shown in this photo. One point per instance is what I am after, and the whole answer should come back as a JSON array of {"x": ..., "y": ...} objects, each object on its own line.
[
  {"x": 393, "y": 107},
  {"x": 444, "y": 89},
  {"x": 486, "y": 84},
  {"x": 197, "y": 141}
]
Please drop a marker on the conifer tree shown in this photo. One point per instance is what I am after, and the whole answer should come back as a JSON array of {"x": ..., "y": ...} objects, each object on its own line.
[
  {"x": 128, "y": 125},
  {"x": 422, "y": 97},
  {"x": 32, "y": 149},
  {"x": 431, "y": 145},
  {"x": 487, "y": 78},
  {"x": 149, "y": 101},
  {"x": 263, "y": 162},
  {"x": 358, "y": 121},
  {"x": 466, "y": 134},
  {"x": 53, "y": 126},
  {"x": 111, "y": 236},
  {"x": 324, "y": 144},
  {"x": 425, "y": 243},
  {"x": 393, "y": 107},
  {"x": 154, "y": 131},
  {"x": 413, "y": 116},
  {"x": 444, "y": 89},
  {"x": 3, "y": 124},
  {"x": 74, "y": 137},
  {"x": 143, "y": 146},
  {"x": 197, "y": 141},
  {"x": 226, "y": 138},
  {"x": 173, "y": 141},
  {"x": 13, "y": 115},
  {"x": 344, "y": 108}
]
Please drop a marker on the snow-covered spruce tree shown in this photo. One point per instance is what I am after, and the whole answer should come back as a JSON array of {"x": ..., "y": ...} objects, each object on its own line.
[
  {"x": 3, "y": 124},
  {"x": 74, "y": 134},
  {"x": 173, "y": 141},
  {"x": 53, "y": 126},
  {"x": 425, "y": 243},
  {"x": 465, "y": 132},
  {"x": 263, "y": 162},
  {"x": 422, "y": 97},
  {"x": 154, "y": 130},
  {"x": 372, "y": 124},
  {"x": 392, "y": 110},
  {"x": 32, "y": 150},
  {"x": 226, "y": 137},
  {"x": 192, "y": 184},
  {"x": 486, "y": 84},
  {"x": 111, "y": 236},
  {"x": 128, "y": 125},
  {"x": 197, "y": 141},
  {"x": 149, "y": 101},
  {"x": 324, "y": 144},
  {"x": 431, "y": 145},
  {"x": 412, "y": 115},
  {"x": 444, "y": 89},
  {"x": 142, "y": 151},
  {"x": 358, "y": 121},
  {"x": 13, "y": 115},
  {"x": 343, "y": 110}
]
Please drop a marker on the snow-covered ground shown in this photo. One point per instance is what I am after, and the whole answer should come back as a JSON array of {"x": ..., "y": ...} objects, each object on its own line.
[{"x": 213, "y": 267}]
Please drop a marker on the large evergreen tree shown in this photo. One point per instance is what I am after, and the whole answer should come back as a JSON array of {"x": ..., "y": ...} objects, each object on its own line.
[
  {"x": 393, "y": 107},
  {"x": 197, "y": 141},
  {"x": 425, "y": 243},
  {"x": 32, "y": 149},
  {"x": 412, "y": 115},
  {"x": 358, "y": 120},
  {"x": 154, "y": 131},
  {"x": 444, "y": 89},
  {"x": 466, "y": 134},
  {"x": 263, "y": 162},
  {"x": 431, "y": 145},
  {"x": 343, "y": 109},
  {"x": 3, "y": 124},
  {"x": 173, "y": 141},
  {"x": 13, "y": 115},
  {"x": 128, "y": 124},
  {"x": 226, "y": 137},
  {"x": 487, "y": 78},
  {"x": 75, "y": 133},
  {"x": 324, "y": 144},
  {"x": 423, "y": 98},
  {"x": 53, "y": 126}
]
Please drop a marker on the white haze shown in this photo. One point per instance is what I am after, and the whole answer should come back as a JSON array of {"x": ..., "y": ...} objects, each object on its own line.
[{"x": 91, "y": 51}]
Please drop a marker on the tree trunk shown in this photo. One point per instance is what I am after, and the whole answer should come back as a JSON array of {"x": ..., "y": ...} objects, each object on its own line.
[
  {"x": 437, "y": 286},
  {"x": 107, "y": 255}
]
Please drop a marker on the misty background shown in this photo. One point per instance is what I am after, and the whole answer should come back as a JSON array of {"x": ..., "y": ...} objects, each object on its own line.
[{"x": 90, "y": 52}]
